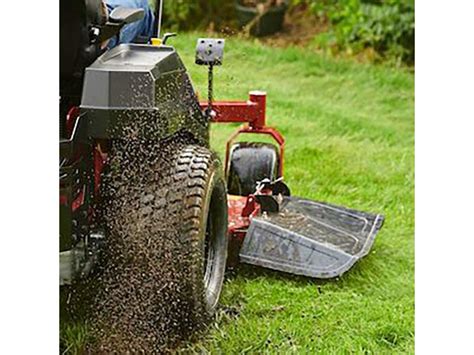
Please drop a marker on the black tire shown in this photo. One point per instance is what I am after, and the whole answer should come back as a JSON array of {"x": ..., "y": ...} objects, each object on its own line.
[
  {"x": 167, "y": 245},
  {"x": 250, "y": 162},
  {"x": 199, "y": 179}
]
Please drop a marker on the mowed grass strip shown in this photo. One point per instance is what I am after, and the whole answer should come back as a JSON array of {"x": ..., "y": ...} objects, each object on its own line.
[{"x": 349, "y": 132}]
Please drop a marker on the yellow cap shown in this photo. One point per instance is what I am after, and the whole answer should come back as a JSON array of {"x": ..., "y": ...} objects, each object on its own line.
[{"x": 156, "y": 41}]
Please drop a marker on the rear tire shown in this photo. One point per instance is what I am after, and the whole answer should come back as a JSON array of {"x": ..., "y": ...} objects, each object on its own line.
[
  {"x": 199, "y": 180},
  {"x": 166, "y": 221}
]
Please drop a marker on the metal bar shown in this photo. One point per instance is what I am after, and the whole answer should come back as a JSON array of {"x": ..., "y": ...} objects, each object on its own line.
[
  {"x": 251, "y": 111},
  {"x": 159, "y": 8},
  {"x": 232, "y": 111},
  {"x": 260, "y": 98},
  {"x": 209, "y": 91}
]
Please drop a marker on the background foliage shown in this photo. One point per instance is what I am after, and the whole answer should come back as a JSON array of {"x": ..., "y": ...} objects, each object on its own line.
[
  {"x": 197, "y": 14},
  {"x": 386, "y": 27}
]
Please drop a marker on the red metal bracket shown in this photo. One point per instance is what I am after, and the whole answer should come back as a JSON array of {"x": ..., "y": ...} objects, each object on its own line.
[
  {"x": 252, "y": 112},
  {"x": 71, "y": 118}
]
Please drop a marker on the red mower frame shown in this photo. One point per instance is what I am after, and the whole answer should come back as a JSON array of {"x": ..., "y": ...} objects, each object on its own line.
[{"x": 253, "y": 113}]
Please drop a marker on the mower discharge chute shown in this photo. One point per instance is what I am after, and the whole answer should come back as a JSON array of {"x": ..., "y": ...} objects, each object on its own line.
[{"x": 310, "y": 238}]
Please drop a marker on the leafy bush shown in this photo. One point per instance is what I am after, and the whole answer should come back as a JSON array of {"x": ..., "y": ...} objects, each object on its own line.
[
  {"x": 195, "y": 14},
  {"x": 388, "y": 26},
  {"x": 385, "y": 27}
]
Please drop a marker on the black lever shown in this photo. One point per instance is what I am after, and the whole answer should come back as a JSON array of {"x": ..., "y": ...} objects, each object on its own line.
[{"x": 166, "y": 36}]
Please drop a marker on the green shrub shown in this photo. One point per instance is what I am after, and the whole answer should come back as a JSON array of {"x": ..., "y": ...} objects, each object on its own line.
[
  {"x": 388, "y": 26},
  {"x": 196, "y": 14},
  {"x": 384, "y": 26}
]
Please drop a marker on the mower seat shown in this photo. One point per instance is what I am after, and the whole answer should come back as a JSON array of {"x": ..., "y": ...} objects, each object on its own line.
[
  {"x": 75, "y": 47},
  {"x": 83, "y": 28}
]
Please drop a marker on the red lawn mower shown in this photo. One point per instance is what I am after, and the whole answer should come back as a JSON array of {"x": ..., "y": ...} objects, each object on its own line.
[{"x": 239, "y": 211}]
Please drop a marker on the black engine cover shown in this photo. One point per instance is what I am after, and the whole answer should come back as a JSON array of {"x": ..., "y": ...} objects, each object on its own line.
[{"x": 134, "y": 81}]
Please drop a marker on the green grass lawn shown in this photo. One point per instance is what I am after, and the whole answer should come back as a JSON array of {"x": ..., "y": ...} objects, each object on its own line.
[{"x": 349, "y": 129}]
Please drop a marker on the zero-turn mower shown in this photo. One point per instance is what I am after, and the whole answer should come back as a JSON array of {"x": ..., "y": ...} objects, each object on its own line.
[{"x": 241, "y": 208}]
